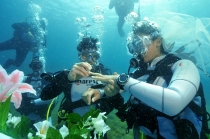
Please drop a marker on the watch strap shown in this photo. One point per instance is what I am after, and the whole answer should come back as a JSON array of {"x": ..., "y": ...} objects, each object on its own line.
[{"x": 121, "y": 86}]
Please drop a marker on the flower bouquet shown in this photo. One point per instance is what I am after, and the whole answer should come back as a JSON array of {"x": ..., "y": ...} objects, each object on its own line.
[{"x": 79, "y": 127}]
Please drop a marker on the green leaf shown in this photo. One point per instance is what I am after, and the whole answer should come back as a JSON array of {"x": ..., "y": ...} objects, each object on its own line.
[
  {"x": 73, "y": 137},
  {"x": 80, "y": 123},
  {"x": 73, "y": 117},
  {"x": 74, "y": 129},
  {"x": 84, "y": 131},
  {"x": 208, "y": 136},
  {"x": 68, "y": 137},
  {"x": 22, "y": 128},
  {"x": 53, "y": 134},
  {"x": 93, "y": 113},
  {"x": 4, "y": 111},
  {"x": 36, "y": 137}
]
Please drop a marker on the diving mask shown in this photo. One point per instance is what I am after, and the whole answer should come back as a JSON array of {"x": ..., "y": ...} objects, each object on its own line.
[
  {"x": 138, "y": 45},
  {"x": 89, "y": 55}
]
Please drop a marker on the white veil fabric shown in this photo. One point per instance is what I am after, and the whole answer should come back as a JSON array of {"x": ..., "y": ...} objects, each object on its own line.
[{"x": 186, "y": 36}]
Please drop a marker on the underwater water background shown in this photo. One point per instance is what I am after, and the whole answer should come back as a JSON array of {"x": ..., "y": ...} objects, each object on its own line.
[{"x": 62, "y": 32}]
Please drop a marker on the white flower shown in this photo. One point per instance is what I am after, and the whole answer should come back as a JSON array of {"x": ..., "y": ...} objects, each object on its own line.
[
  {"x": 42, "y": 128},
  {"x": 64, "y": 131},
  {"x": 87, "y": 122},
  {"x": 84, "y": 135},
  {"x": 13, "y": 120},
  {"x": 9, "y": 115},
  {"x": 30, "y": 135},
  {"x": 99, "y": 125}
]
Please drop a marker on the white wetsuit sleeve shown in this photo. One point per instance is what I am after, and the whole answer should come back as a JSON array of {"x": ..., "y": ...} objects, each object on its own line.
[{"x": 173, "y": 99}]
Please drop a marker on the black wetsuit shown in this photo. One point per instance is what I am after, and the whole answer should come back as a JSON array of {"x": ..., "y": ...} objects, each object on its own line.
[{"x": 23, "y": 40}]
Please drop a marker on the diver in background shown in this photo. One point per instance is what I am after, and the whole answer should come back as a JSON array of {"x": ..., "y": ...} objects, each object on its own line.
[
  {"x": 122, "y": 8},
  {"x": 26, "y": 37},
  {"x": 32, "y": 106}
]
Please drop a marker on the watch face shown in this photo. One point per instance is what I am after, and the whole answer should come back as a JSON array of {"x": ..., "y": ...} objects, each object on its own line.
[{"x": 123, "y": 78}]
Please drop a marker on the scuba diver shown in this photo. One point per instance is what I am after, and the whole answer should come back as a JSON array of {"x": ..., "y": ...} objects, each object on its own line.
[
  {"x": 26, "y": 37},
  {"x": 122, "y": 8},
  {"x": 80, "y": 90},
  {"x": 32, "y": 106},
  {"x": 166, "y": 100}
]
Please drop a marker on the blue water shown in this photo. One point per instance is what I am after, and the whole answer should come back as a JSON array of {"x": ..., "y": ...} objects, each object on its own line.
[{"x": 62, "y": 31}]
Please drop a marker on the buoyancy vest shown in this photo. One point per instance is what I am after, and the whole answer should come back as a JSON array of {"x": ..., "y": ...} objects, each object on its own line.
[{"x": 146, "y": 116}]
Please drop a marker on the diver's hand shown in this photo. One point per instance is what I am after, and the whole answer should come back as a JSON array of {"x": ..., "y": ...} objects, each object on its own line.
[
  {"x": 104, "y": 78},
  {"x": 79, "y": 70},
  {"x": 90, "y": 96},
  {"x": 111, "y": 88}
]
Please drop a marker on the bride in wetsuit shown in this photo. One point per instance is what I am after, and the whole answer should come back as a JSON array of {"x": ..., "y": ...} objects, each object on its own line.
[{"x": 163, "y": 88}]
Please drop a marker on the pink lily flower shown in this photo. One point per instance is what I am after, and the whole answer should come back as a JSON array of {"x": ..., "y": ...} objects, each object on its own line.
[{"x": 12, "y": 84}]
